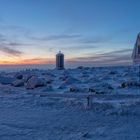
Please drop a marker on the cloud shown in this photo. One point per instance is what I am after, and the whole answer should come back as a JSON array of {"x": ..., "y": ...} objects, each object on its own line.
[
  {"x": 78, "y": 38},
  {"x": 12, "y": 44},
  {"x": 2, "y": 38},
  {"x": 10, "y": 51},
  {"x": 94, "y": 40},
  {"x": 56, "y": 37},
  {"x": 117, "y": 52},
  {"x": 37, "y": 60},
  {"x": 15, "y": 29},
  {"x": 110, "y": 37},
  {"x": 77, "y": 47},
  {"x": 7, "y": 47},
  {"x": 111, "y": 54},
  {"x": 113, "y": 58},
  {"x": 15, "y": 44}
]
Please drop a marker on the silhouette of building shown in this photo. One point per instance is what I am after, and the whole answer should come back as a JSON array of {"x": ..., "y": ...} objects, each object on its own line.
[{"x": 59, "y": 61}]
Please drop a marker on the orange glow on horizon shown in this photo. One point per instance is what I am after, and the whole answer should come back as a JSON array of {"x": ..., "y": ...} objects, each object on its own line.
[{"x": 27, "y": 61}]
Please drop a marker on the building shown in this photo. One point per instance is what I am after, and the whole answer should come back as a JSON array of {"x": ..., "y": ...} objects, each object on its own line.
[
  {"x": 59, "y": 61},
  {"x": 136, "y": 51}
]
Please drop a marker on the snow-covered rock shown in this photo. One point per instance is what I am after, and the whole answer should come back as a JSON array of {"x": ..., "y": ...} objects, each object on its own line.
[
  {"x": 130, "y": 84},
  {"x": 18, "y": 76},
  {"x": 63, "y": 78},
  {"x": 34, "y": 82},
  {"x": 73, "y": 88},
  {"x": 71, "y": 80},
  {"x": 18, "y": 83},
  {"x": 26, "y": 77},
  {"x": 21, "y": 119},
  {"x": 62, "y": 85},
  {"x": 6, "y": 80}
]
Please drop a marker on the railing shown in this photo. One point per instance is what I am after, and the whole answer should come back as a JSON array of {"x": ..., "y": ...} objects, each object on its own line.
[{"x": 88, "y": 97}]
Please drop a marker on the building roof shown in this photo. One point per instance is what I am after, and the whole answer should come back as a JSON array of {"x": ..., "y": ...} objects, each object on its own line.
[{"x": 59, "y": 53}]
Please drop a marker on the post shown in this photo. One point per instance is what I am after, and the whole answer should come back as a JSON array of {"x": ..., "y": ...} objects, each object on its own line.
[{"x": 89, "y": 101}]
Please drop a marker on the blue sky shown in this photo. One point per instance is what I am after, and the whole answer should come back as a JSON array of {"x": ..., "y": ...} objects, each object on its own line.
[{"x": 89, "y": 32}]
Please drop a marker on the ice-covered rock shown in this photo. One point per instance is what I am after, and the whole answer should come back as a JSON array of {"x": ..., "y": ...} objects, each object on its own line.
[
  {"x": 18, "y": 76},
  {"x": 35, "y": 82},
  {"x": 6, "y": 80},
  {"x": 49, "y": 81},
  {"x": 73, "y": 88},
  {"x": 62, "y": 85},
  {"x": 71, "y": 80},
  {"x": 80, "y": 67},
  {"x": 84, "y": 134},
  {"x": 92, "y": 89},
  {"x": 112, "y": 72},
  {"x": 63, "y": 78},
  {"x": 18, "y": 83},
  {"x": 26, "y": 77},
  {"x": 124, "y": 85},
  {"x": 130, "y": 84}
]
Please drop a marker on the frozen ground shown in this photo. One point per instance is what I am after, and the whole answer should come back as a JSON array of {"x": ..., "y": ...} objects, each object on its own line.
[{"x": 23, "y": 115}]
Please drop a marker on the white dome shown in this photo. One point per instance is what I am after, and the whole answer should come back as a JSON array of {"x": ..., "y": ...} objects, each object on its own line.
[{"x": 136, "y": 51}]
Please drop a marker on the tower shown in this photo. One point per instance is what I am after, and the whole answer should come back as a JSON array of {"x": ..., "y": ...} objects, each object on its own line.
[
  {"x": 59, "y": 61},
  {"x": 136, "y": 51}
]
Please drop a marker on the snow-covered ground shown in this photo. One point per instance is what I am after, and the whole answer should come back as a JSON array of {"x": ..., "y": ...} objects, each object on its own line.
[{"x": 114, "y": 113}]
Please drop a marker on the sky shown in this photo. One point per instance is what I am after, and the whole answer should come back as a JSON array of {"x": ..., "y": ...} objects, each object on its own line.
[{"x": 88, "y": 32}]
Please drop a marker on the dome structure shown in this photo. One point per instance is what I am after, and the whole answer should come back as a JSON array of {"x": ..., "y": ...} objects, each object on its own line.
[{"x": 136, "y": 51}]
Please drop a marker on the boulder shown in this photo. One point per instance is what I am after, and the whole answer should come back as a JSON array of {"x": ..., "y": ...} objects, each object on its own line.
[
  {"x": 130, "y": 84},
  {"x": 35, "y": 82},
  {"x": 84, "y": 134},
  {"x": 71, "y": 80},
  {"x": 73, "y": 89},
  {"x": 112, "y": 72},
  {"x": 18, "y": 83},
  {"x": 80, "y": 67},
  {"x": 26, "y": 77},
  {"x": 63, "y": 85},
  {"x": 6, "y": 80},
  {"x": 18, "y": 76}
]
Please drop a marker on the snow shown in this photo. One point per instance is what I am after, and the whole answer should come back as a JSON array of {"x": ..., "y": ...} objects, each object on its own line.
[{"x": 114, "y": 113}]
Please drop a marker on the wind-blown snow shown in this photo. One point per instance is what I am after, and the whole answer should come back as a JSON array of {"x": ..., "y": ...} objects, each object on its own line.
[{"x": 114, "y": 115}]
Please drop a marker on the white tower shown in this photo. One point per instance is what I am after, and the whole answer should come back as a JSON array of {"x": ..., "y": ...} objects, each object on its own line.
[{"x": 59, "y": 61}]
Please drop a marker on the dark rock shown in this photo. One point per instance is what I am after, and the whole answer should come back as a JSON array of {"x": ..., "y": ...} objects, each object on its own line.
[{"x": 18, "y": 76}]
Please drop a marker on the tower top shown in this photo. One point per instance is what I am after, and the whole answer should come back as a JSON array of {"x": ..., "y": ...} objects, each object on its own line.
[{"x": 59, "y": 53}]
